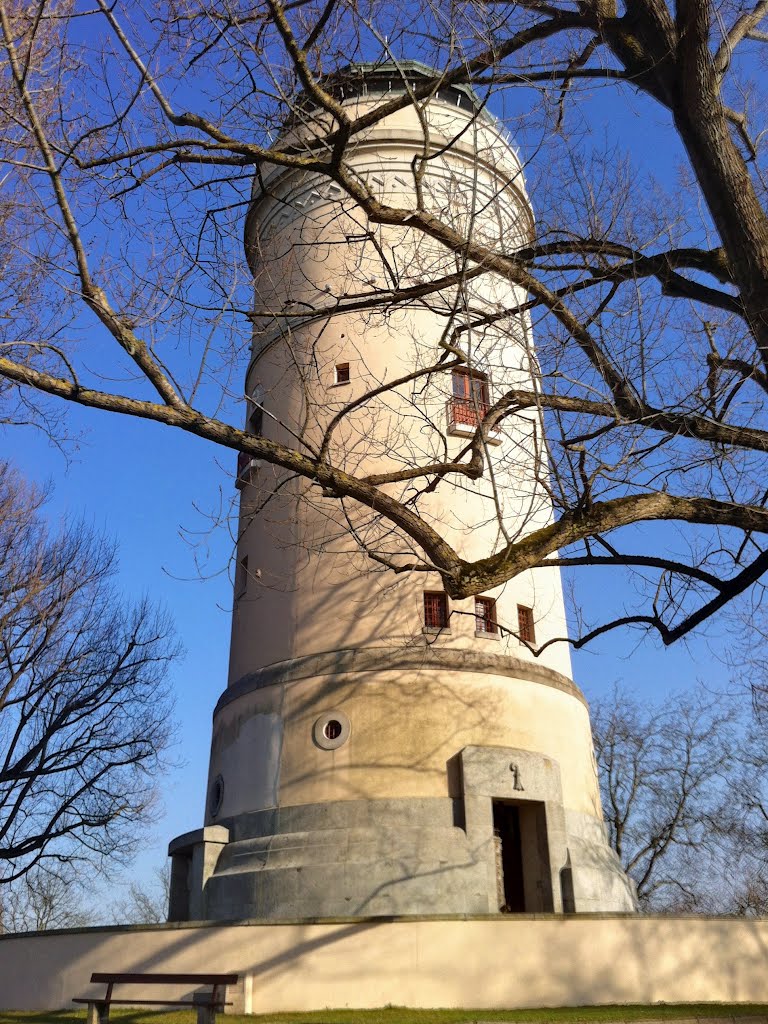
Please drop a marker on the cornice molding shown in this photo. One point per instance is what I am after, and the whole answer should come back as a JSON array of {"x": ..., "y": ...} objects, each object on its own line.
[{"x": 387, "y": 659}]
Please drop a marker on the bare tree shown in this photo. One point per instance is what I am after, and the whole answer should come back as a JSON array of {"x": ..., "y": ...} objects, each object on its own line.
[
  {"x": 752, "y": 898},
  {"x": 23, "y": 286},
  {"x": 648, "y": 303},
  {"x": 45, "y": 897},
  {"x": 145, "y": 902},
  {"x": 85, "y": 708},
  {"x": 683, "y": 790}
]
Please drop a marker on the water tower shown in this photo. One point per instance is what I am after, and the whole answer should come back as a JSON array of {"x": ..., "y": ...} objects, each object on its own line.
[{"x": 381, "y": 749}]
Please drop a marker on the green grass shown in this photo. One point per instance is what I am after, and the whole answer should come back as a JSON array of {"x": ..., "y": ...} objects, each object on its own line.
[{"x": 402, "y": 1015}]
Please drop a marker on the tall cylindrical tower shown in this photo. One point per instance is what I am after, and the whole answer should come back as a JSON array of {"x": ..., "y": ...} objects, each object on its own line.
[{"x": 381, "y": 749}]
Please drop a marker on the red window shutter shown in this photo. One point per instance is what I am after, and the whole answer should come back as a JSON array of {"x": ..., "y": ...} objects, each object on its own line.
[{"x": 480, "y": 391}]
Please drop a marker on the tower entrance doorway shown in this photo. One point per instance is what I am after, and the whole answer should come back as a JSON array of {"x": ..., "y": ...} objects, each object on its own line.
[
  {"x": 523, "y": 880},
  {"x": 509, "y": 857}
]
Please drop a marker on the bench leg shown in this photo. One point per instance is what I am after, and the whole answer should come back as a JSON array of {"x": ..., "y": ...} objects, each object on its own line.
[
  {"x": 206, "y": 1014},
  {"x": 98, "y": 1012}
]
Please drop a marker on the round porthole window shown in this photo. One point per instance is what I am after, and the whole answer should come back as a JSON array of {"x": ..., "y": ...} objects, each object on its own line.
[
  {"x": 216, "y": 797},
  {"x": 331, "y": 730}
]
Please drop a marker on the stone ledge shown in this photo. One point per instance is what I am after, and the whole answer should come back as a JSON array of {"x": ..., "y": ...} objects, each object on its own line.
[
  {"x": 388, "y": 659},
  {"x": 188, "y": 840},
  {"x": 565, "y": 920}
]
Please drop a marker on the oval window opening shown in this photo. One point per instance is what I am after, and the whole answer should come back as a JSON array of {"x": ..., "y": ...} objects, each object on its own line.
[
  {"x": 332, "y": 730},
  {"x": 217, "y": 796}
]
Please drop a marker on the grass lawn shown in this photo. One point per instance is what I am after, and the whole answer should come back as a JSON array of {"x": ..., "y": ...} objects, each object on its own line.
[{"x": 402, "y": 1015}]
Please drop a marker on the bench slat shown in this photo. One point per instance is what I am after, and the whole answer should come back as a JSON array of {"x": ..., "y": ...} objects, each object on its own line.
[
  {"x": 152, "y": 1002},
  {"x": 165, "y": 979}
]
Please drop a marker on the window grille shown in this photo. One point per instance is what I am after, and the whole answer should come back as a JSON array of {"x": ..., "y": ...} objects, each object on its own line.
[
  {"x": 525, "y": 626},
  {"x": 435, "y": 610},
  {"x": 485, "y": 615}
]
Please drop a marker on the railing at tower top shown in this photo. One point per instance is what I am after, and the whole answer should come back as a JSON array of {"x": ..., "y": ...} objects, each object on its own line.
[{"x": 363, "y": 80}]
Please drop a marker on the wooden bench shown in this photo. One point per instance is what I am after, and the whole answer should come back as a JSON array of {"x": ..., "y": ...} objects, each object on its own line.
[{"x": 206, "y": 1003}]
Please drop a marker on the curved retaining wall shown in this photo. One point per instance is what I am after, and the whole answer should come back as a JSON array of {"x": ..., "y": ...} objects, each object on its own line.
[{"x": 513, "y": 961}]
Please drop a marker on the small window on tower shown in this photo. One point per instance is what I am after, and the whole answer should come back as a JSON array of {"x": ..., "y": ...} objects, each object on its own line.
[
  {"x": 435, "y": 610},
  {"x": 470, "y": 386},
  {"x": 256, "y": 421},
  {"x": 470, "y": 399},
  {"x": 485, "y": 615},
  {"x": 525, "y": 628},
  {"x": 332, "y": 729},
  {"x": 342, "y": 373},
  {"x": 241, "y": 578},
  {"x": 245, "y": 466}
]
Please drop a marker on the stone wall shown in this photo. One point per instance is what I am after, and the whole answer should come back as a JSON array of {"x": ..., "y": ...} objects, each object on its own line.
[{"x": 509, "y": 961}]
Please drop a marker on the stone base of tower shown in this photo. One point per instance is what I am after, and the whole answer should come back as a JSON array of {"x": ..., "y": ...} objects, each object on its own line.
[
  {"x": 368, "y": 858},
  {"x": 349, "y": 858},
  {"x": 409, "y": 781}
]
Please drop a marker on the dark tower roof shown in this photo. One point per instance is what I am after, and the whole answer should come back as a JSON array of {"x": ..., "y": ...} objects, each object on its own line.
[{"x": 376, "y": 79}]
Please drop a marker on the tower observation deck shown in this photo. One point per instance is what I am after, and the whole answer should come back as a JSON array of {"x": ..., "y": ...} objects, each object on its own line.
[{"x": 380, "y": 748}]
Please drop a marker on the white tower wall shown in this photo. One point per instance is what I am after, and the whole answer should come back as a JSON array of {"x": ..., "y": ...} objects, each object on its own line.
[{"x": 461, "y": 755}]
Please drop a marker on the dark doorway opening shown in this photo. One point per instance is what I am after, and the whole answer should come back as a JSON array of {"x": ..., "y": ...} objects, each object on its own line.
[
  {"x": 524, "y": 881},
  {"x": 509, "y": 858}
]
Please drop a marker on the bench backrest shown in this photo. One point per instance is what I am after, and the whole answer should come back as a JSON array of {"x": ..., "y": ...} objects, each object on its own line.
[{"x": 165, "y": 979}]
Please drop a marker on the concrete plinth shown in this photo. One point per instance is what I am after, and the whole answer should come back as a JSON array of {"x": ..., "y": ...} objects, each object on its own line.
[{"x": 390, "y": 857}]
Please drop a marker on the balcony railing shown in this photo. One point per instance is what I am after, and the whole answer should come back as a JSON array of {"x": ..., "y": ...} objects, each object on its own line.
[{"x": 464, "y": 413}]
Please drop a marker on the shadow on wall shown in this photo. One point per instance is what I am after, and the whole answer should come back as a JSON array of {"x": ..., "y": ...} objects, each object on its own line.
[{"x": 510, "y": 961}]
